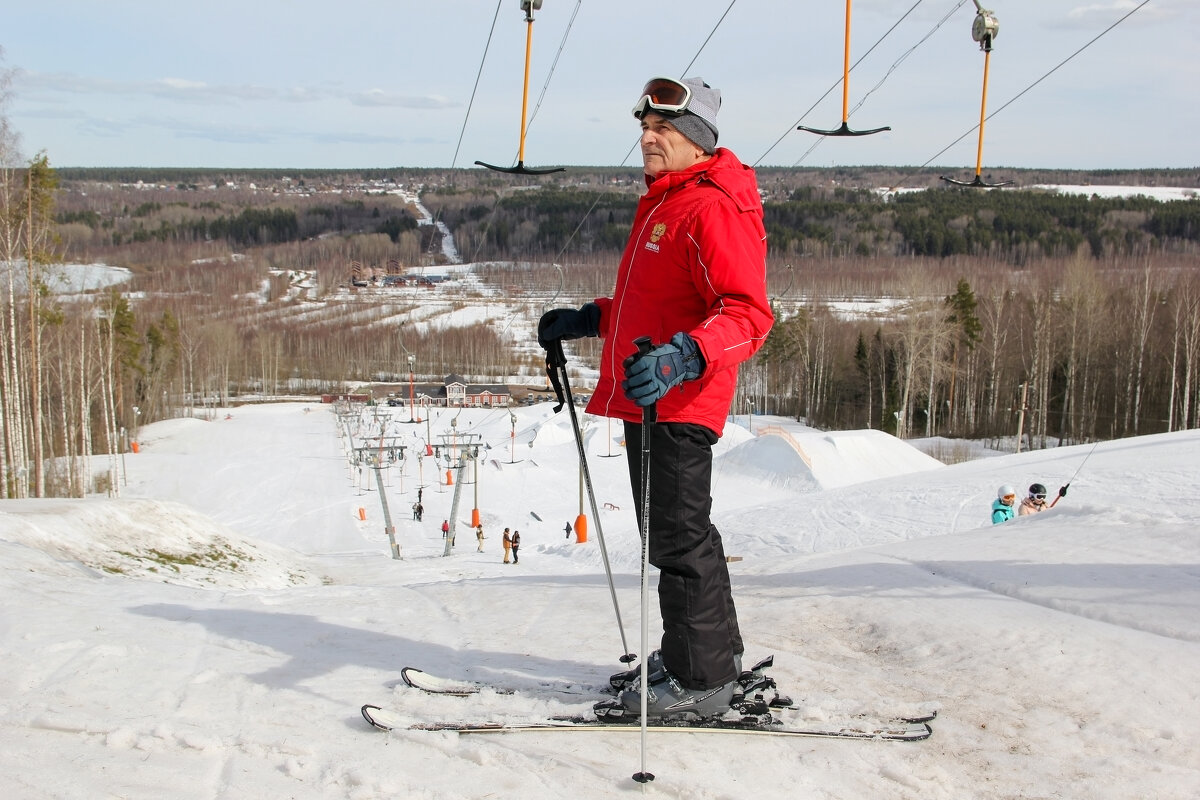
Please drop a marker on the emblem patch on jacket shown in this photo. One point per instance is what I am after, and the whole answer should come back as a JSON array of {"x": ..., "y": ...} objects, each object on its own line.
[{"x": 656, "y": 233}]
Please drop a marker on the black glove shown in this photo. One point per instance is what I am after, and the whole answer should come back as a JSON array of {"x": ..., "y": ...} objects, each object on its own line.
[
  {"x": 1062, "y": 490},
  {"x": 568, "y": 323},
  {"x": 649, "y": 376}
]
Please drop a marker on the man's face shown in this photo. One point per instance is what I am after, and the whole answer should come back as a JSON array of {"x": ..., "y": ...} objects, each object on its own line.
[{"x": 665, "y": 149}]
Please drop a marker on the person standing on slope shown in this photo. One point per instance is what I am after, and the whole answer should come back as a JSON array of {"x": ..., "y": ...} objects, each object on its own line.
[{"x": 693, "y": 279}]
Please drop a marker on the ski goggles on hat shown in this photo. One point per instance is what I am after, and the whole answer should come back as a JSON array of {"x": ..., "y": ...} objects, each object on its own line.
[{"x": 664, "y": 95}]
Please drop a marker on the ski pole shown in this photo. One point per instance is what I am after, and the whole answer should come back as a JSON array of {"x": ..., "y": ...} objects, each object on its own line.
[
  {"x": 649, "y": 418},
  {"x": 556, "y": 361},
  {"x": 1067, "y": 485}
]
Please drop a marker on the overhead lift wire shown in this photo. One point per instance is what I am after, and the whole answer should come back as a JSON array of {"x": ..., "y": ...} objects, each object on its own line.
[
  {"x": 1039, "y": 80},
  {"x": 470, "y": 103},
  {"x": 634, "y": 146},
  {"x": 708, "y": 38}
]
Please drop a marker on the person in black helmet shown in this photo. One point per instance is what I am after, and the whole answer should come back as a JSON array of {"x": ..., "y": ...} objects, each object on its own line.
[{"x": 1036, "y": 501}]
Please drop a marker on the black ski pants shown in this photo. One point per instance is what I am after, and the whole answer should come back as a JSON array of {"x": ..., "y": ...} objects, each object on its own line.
[{"x": 700, "y": 628}]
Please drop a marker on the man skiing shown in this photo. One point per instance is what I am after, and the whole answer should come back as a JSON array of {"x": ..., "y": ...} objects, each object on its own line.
[{"x": 693, "y": 279}]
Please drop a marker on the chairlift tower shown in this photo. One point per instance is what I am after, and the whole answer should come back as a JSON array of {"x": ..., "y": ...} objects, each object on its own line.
[
  {"x": 375, "y": 456},
  {"x": 458, "y": 452}
]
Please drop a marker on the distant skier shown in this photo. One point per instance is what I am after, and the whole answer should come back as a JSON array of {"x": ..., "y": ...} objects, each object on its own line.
[
  {"x": 1036, "y": 501},
  {"x": 480, "y": 537},
  {"x": 516, "y": 544},
  {"x": 507, "y": 546},
  {"x": 1002, "y": 508}
]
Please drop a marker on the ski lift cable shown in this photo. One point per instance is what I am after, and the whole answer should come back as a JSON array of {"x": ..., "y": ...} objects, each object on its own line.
[
  {"x": 908, "y": 53},
  {"x": 478, "y": 74},
  {"x": 1054, "y": 69},
  {"x": 838, "y": 82},
  {"x": 1085, "y": 460},
  {"x": 895, "y": 65},
  {"x": 470, "y": 104},
  {"x": 634, "y": 146},
  {"x": 711, "y": 33}
]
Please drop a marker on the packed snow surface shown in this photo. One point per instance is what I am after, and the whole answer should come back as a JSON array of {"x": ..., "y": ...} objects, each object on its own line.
[{"x": 213, "y": 631}]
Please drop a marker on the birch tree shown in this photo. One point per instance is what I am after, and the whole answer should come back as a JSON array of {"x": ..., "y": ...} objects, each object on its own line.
[{"x": 1145, "y": 296}]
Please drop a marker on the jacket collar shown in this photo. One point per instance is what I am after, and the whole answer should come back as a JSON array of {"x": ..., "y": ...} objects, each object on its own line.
[{"x": 724, "y": 170}]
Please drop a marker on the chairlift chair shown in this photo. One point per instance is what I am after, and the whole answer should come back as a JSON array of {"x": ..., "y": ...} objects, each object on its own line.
[{"x": 528, "y": 6}]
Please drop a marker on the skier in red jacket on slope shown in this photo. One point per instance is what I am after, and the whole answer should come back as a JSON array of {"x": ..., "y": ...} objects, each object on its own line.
[{"x": 693, "y": 279}]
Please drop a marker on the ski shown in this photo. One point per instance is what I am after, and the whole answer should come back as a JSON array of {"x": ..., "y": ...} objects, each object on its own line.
[
  {"x": 432, "y": 684},
  {"x": 902, "y": 732}
]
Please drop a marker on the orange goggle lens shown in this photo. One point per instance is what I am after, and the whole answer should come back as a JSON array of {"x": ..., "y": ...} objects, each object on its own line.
[{"x": 665, "y": 95}]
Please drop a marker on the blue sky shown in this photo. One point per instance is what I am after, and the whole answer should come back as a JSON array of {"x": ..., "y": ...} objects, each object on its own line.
[{"x": 269, "y": 83}]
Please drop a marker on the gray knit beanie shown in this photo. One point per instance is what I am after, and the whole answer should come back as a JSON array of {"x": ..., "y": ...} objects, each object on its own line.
[{"x": 699, "y": 121}]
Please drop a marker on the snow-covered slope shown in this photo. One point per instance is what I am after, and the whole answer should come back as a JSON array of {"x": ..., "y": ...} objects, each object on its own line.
[{"x": 1061, "y": 650}]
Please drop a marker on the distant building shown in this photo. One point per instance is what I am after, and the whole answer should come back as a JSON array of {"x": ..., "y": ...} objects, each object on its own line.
[{"x": 455, "y": 392}]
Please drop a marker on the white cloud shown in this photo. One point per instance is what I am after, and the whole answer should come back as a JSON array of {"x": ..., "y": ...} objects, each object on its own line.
[{"x": 381, "y": 97}]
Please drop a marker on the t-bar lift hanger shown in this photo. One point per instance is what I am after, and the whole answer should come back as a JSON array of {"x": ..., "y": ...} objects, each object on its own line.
[
  {"x": 845, "y": 130},
  {"x": 984, "y": 29},
  {"x": 528, "y": 6}
]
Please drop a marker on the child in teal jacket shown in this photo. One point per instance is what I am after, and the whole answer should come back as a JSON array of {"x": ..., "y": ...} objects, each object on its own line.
[{"x": 1002, "y": 508}]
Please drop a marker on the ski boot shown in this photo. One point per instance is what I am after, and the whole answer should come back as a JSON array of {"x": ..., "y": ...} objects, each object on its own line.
[
  {"x": 666, "y": 697},
  {"x": 621, "y": 681}
]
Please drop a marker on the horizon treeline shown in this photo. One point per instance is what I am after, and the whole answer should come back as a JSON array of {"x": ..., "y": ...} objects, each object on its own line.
[{"x": 948, "y": 312}]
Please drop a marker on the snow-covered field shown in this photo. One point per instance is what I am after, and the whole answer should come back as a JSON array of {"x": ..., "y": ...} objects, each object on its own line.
[
  {"x": 1161, "y": 193},
  {"x": 213, "y": 632}
]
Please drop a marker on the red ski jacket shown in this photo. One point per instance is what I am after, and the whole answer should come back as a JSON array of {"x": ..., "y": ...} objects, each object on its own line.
[{"x": 695, "y": 262}]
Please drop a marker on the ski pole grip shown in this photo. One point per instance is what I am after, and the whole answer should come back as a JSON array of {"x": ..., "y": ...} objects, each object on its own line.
[{"x": 649, "y": 413}]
